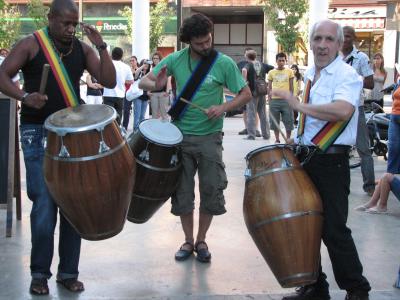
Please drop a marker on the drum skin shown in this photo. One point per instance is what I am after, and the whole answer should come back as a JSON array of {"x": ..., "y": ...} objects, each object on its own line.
[
  {"x": 93, "y": 195},
  {"x": 156, "y": 179},
  {"x": 283, "y": 214}
]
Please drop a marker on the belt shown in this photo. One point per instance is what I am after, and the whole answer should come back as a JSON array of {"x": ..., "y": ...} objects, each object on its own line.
[{"x": 335, "y": 149}]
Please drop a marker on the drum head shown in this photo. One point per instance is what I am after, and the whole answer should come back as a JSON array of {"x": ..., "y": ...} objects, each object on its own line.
[
  {"x": 160, "y": 132},
  {"x": 80, "y": 118},
  {"x": 266, "y": 148}
]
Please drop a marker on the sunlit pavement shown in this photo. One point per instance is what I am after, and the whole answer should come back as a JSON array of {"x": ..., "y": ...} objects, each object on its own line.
[{"x": 139, "y": 262}]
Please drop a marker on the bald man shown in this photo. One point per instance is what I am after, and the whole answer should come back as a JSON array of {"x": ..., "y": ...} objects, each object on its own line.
[
  {"x": 333, "y": 97},
  {"x": 29, "y": 56}
]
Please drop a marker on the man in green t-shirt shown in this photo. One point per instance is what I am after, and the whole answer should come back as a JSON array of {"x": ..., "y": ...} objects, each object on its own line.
[{"x": 202, "y": 130}]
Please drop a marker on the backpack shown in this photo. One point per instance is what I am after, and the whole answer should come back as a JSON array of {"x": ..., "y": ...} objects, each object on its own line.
[{"x": 260, "y": 85}]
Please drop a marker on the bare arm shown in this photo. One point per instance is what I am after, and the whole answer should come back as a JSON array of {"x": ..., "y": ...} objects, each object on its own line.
[
  {"x": 19, "y": 56},
  {"x": 240, "y": 100},
  {"x": 339, "y": 110},
  {"x": 368, "y": 82},
  {"x": 152, "y": 83},
  {"x": 102, "y": 69},
  {"x": 291, "y": 89},
  {"x": 269, "y": 89}
]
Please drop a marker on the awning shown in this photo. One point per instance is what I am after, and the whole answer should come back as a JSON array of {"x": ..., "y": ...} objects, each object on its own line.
[{"x": 362, "y": 23}]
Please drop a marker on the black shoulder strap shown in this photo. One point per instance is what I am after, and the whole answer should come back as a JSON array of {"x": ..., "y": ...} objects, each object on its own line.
[{"x": 178, "y": 108}]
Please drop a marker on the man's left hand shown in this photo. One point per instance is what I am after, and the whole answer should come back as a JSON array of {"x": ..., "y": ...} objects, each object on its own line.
[
  {"x": 215, "y": 111},
  {"x": 92, "y": 33}
]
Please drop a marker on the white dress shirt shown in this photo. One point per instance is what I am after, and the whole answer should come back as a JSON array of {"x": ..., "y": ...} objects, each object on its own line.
[{"x": 337, "y": 81}]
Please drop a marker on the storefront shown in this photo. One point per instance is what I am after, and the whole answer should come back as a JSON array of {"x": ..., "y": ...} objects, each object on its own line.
[{"x": 369, "y": 23}]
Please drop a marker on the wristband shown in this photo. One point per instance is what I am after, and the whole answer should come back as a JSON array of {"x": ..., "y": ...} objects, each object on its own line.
[
  {"x": 101, "y": 47},
  {"x": 24, "y": 97}
]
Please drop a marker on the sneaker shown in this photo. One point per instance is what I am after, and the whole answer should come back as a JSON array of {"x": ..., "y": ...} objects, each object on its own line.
[
  {"x": 258, "y": 133},
  {"x": 266, "y": 137},
  {"x": 309, "y": 292},
  {"x": 243, "y": 132},
  {"x": 357, "y": 295}
]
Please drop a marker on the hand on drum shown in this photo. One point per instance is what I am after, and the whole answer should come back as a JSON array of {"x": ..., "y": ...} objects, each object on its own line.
[
  {"x": 35, "y": 100},
  {"x": 288, "y": 97}
]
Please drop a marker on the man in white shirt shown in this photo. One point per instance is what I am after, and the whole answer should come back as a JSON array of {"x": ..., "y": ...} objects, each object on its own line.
[
  {"x": 115, "y": 97},
  {"x": 360, "y": 62},
  {"x": 333, "y": 98}
]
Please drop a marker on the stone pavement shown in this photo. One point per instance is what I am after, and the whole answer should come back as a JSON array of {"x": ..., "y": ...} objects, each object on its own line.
[{"x": 138, "y": 263}]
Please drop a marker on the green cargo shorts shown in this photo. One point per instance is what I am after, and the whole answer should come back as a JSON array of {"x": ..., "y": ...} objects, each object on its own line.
[
  {"x": 278, "y": 108},
  {"x": 202, "y": 154}
]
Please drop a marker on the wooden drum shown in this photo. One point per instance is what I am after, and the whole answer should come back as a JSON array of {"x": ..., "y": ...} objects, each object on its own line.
[
  {"x": 156, "y": 146},
  {"x": 89, "y": 169},
  {"x": 283, "y": 214}
]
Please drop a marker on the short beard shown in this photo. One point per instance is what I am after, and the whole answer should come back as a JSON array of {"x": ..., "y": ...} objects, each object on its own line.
[{"x": 204, "y": 53}]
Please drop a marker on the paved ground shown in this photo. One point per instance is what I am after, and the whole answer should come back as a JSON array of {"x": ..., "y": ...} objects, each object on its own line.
[{"x": 138, "y": 263}]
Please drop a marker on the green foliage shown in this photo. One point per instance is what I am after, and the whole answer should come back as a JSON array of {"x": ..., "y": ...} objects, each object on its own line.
[
  {"x": 286, "y": 28},
  {"x": 159, "y": 15},
  {"x": 10, "y": 25},
  {"x": 38, "y": 12}
]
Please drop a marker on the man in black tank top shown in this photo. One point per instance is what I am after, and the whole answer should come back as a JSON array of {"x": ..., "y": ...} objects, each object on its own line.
[{"x": 28, "y": 56}]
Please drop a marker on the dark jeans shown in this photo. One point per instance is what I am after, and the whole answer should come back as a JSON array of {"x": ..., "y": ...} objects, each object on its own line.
[
  {"x": 117, "y": 103},
  {"x": 44, "y": 214},
  {"x": 127, "y": 113},
  {"x": 331, "y": 175}
]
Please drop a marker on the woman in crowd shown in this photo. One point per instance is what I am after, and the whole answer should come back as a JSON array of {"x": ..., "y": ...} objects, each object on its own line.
[
  {"x": 159, "y": 99},
  {"x": 140, "y": 104},
  {"x": 297, "y": 86},
  {"x": 380, "y": 75},
  {"x": 94, "y": 93},
  {"x": 128, "y": 104}
]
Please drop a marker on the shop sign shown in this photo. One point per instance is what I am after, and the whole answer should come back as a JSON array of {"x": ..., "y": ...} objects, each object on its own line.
[
  {"x": 109, "y": 26},
  {"x": 365, "y": 17}
]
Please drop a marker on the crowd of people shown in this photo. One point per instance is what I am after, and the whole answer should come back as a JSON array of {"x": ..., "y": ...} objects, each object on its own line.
[{"x": 331, "y": 107}]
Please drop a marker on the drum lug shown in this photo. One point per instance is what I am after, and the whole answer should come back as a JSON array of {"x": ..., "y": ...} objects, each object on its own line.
[
  {"x": 144, "y": 155},
  {"x": 103, "y": 147},
  {"x": 174, "y": 160},
  {"x": 63, "y": 151},
  {"x": 123, "y": 131},
  {"x": 44, "y": 142},
  {"x": 247, "y": 173}
]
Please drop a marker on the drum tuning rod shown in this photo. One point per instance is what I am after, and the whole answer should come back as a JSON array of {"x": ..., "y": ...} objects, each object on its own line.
[
  {"x": 279, "y": 127},
  {"x": 43, "y": 81},
  {"x": 204, "y": 110}
]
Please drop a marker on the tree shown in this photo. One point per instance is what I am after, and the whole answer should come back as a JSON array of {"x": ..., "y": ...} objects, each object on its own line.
[
  {"x": 10, "y": 25},
  {"x": 159, "y": 15},
  {"x": 286, "y": 28},
  {"x": 38, "y": 12}
]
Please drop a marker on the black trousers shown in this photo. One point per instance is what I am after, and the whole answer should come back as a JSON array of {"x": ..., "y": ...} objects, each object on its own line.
[
  {"x": 331, "y": 176},
  {"x": 127, "y": 112},
  {"x": 117, "y": 103}
]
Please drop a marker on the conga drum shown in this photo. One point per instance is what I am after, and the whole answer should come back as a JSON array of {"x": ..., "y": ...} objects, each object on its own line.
[
  {"x": 89, "y": 169},
  {"x": 156, "y": 147},
  {"x": 283, "y": 214}
]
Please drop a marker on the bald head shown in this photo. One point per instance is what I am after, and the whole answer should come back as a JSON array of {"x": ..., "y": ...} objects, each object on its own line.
[
  {"x": 328, "y": 23},
  {"x": 57, "y": 7}
]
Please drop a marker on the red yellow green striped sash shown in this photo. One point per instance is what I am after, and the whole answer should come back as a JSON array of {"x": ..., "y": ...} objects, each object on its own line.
[
  {"x": 58, "y": 68},
  {"x": 328, "y": 134}
]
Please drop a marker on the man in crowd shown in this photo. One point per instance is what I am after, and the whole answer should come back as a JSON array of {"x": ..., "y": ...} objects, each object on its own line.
[
  {"x": 202, "y": 130},
  {"x": 333, "y": 88},
  {"x": 29, "y": 56},
  {"x": 360, "y": 62}
]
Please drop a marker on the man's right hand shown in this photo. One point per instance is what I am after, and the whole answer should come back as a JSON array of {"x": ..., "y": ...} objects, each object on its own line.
[{"x": 35, "y": 100}]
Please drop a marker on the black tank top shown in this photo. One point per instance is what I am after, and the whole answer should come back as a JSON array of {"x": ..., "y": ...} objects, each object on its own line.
[{"x": 74, "y": 64}]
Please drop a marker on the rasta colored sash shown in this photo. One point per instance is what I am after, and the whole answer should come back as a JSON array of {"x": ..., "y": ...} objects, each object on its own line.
[
  {"x": 328, "y": 133},
  {"x": 58, "y": 68},
  {"x": 178, "y": 108}
]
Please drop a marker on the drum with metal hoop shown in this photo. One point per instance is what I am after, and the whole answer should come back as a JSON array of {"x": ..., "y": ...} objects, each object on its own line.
[
  {"x": 89, "y": 169},
  {"x": 283, "y": 214},
  {"x": 156, "y": 147}
]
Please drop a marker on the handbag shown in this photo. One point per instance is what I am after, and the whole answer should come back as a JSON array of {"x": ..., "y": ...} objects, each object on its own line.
[{"x": 133, "y": 92}]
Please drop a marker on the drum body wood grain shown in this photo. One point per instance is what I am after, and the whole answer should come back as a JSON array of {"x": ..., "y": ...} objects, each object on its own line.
[
  {"x": 92, "y": 178},
  {"x": 283, "y": 214},
  {"x": 158, "y": 162}
]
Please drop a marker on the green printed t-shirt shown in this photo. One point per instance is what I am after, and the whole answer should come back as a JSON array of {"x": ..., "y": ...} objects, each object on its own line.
[{"x": 224, "y": 72}]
